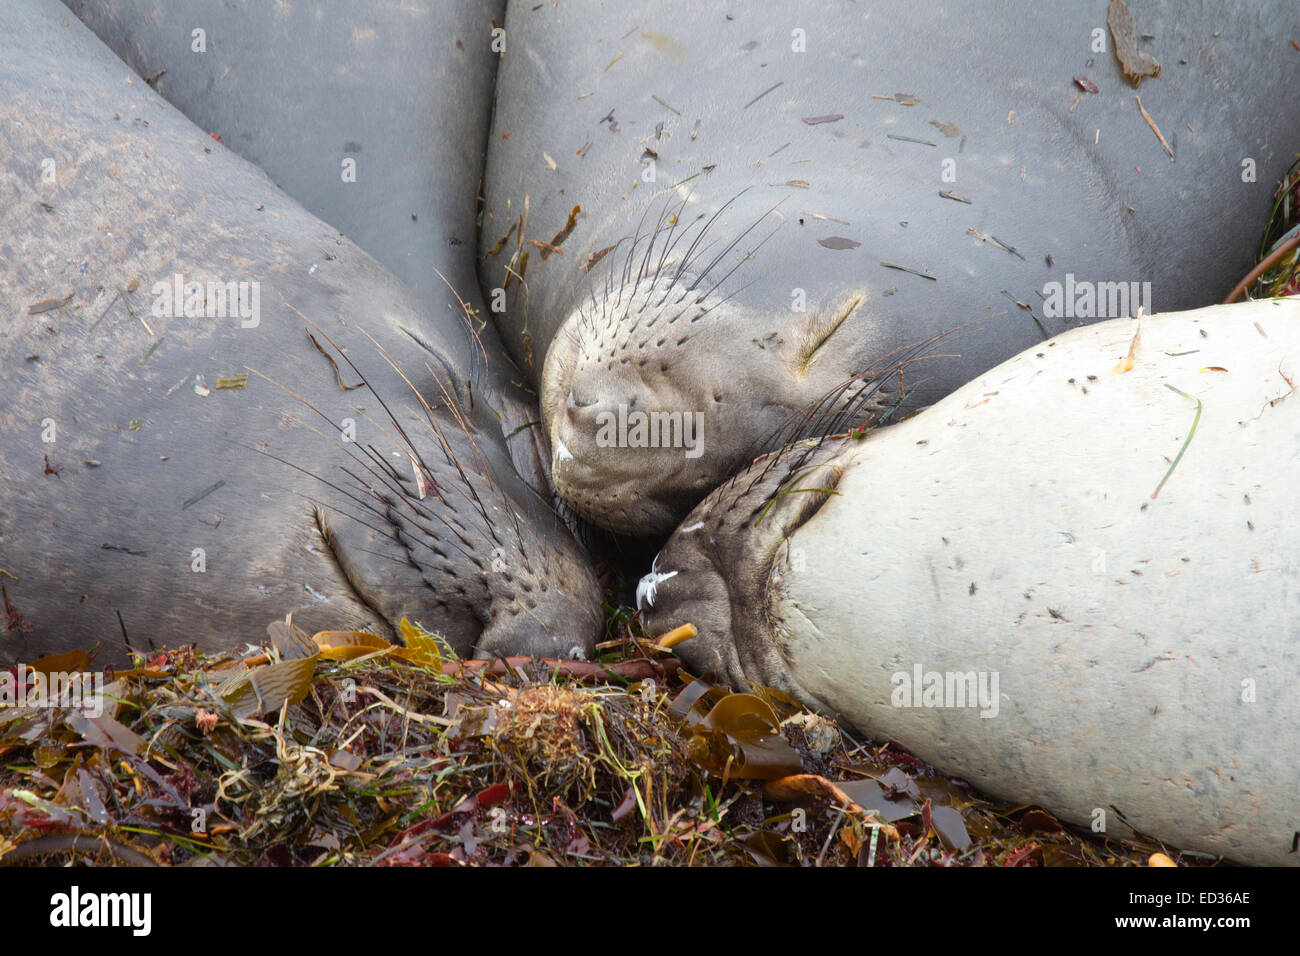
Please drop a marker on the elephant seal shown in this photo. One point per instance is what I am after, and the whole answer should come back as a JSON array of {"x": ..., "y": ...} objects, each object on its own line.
[
  {"x": 1101, "y": 562},
  {"x": 343, "y": 105},
  {"x": 146, "y": 268},
  {"x": 762, "y": 212},
  {"x": 358, "y": 111}
]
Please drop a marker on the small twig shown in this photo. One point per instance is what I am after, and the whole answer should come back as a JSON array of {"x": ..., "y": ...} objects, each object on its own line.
[
  {"x": 1155, "y": 129},
  {"x": 830, "y": 836},
  {"x": 1267, "y": 263}
]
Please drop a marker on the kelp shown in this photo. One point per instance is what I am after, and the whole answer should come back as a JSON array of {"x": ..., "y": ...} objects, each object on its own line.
[
  {"x": 1283, "y": 276},
  {"x": 345, "y": 749}
]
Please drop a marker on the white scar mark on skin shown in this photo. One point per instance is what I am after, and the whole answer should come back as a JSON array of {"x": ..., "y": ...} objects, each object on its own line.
[
  {"x": 645, "y": 588},
  {"x": 695, "y": 527},
  {"x": 562, "y": 453}
]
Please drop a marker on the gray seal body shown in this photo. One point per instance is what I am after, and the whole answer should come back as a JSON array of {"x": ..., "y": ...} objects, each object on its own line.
[
  {"x": 879, "y": 175},
  {"x": 147, "y": 268}
]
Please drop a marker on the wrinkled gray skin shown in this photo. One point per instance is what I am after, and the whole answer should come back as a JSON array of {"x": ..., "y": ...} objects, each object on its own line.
[
  {"x": 299, "y": 89},
  {"x": 697, "y": 85},
  {"x": 182, "y": 481}
]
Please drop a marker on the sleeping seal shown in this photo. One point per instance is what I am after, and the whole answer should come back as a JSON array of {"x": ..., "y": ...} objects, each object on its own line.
[
  {"x": 1071, "y": 584},
  {"x": 148, "y": 491},
  {"x": 359, "y": 112},
  {"x": 776, "y": 197}
]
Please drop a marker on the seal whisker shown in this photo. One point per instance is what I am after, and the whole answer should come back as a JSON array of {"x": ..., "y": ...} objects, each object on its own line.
[
  {"x": 672, "y": 238},
  {"x": 727, "y": 298},
  {"x": 383, "y": 471},
  {"x": 681, "y": 209},
  {"x": 631, "y": 251},
  {"x": 690, "y": 250},
  {"x": 325, "y": 417},
  {"x": 732, "y": 245},
  {"x": 741, "y": 261},
  {"x": 329, "y": 484},
  {"x": 650, "y": 245},
  {"x": 473, "y": 492},
  {"x": 409, "y": 447},
  {"x": 436, "y": 429},
  {"x": 609, "y": 279},
  {"x": 391, "y": 480}
]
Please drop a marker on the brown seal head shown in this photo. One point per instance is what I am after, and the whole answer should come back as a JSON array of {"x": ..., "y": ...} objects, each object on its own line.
[{"x": 650, "y": 401}]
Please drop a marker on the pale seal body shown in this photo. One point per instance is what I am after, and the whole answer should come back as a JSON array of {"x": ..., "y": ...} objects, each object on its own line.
[
  {"x": 140, "y": 500},
  {"x": 1143, "y": 645},
  {"x": 893, "y": 171}
]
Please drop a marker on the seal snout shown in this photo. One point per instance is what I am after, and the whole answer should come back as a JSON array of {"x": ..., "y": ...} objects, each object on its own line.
[
  {"x": 652, "y": 397},
  {"x": 604, "y": 477},
  {"x": 720, "y": 569},
  {"x": 684, "y": 587},
  {"x": 630, "y": 450}
]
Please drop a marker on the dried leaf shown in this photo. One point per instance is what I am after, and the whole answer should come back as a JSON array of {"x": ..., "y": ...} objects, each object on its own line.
[{"x": 1135, "y": 63}]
